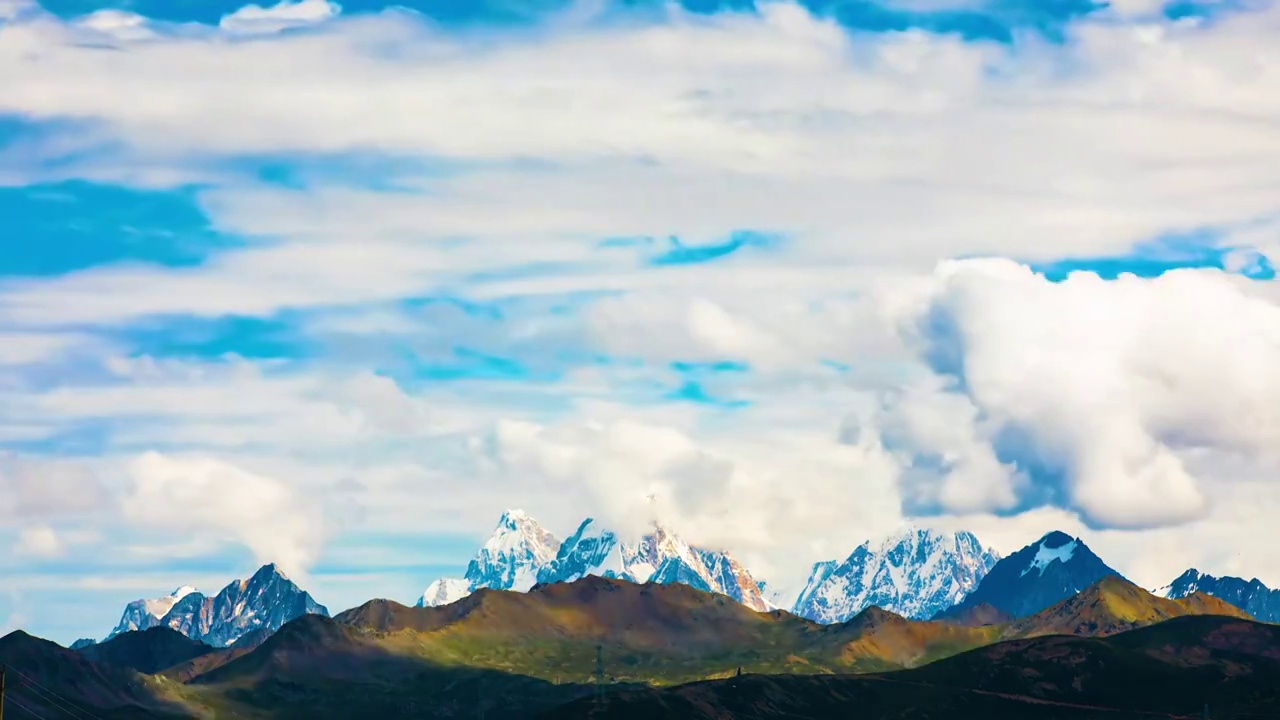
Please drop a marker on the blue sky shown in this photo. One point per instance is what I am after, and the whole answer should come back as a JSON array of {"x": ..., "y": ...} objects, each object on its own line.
[{"x": 333, "y": 287}]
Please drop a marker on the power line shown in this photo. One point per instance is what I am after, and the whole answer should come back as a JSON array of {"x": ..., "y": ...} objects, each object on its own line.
[
  {"x": 45, "y": 697},
  {"x": 13, "y": 700},
  {"x": 53, "y": 697}
]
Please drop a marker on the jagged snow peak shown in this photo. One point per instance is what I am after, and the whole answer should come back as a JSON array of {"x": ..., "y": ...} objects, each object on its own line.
[
  {"x": 268, "y": 600},
  {"x": 1188, "y": 583},
  {"x": 513, "y": 554},
  {"x": 1045, "y": 555},
  {"x": 916, "y": 574},
  {"x": 1252, "y": 596},
  {"x": 143, "y": 614},
  {"x": 518, "y": 550}
]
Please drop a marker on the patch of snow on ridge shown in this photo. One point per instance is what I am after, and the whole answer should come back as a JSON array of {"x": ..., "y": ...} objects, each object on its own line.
[
  {"x": 444, "y": 591},
  {"x": 1046, "y": 555},
  {"x": 158, "y": 607}
]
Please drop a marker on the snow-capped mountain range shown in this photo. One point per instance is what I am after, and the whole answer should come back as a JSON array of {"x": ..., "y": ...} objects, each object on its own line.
[
  {"x": 916, "y": 574},
  {"x": 521, "y": 553},
  {"x": 267, "y": 600},
  {"x": 1249, "y": 595}
]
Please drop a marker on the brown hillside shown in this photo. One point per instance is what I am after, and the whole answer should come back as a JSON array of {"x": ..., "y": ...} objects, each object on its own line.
[
  {"x": 979, "y": 615},
  {"x": 590, "y": 609},
  {"x": 894, "y": 641},
  {"x": 1113, "y": 605}
]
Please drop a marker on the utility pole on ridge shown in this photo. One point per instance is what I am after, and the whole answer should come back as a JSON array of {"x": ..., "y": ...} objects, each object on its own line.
[{"x": 2, "y": 669}]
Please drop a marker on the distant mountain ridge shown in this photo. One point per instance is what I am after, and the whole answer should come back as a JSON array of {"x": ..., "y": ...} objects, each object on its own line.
[
  {"x": 1114, "y": 605},
  {"x": 1251, "y": 596},
  {"x": 268, "y": 599},
  {"x": 916, "y": 574},
  {"x": 521, "y": 554},
  {"x": 1046, "y": 572}
]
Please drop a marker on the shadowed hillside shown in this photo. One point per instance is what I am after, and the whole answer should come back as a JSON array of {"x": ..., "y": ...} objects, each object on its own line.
[
  {"x": 147, "y": 651},
  {"x": 48, "y": 680},
  {"x": 1172, "y": 670},
  {"x": 186, "y": 671}
]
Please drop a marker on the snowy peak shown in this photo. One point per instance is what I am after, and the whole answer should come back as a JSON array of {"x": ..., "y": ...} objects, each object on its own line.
[
  {"x": 591, "y": 550},
  {"x": 513, "y": 554},
  {"x": 1251, "y": 596},
  {"x": 915, "y": 574},
  {"x": 144, "y": 614},
  {"x": 444, "y": 591},
  {"x": 1048, "y": 571},
  {"x": 1185, "y": 584},
  {"x": 267, "y": 600}
]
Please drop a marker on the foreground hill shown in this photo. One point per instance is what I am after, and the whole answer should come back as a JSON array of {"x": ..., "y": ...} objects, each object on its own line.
[
  {"x": 43, "y": 679},
  {"x": 1172, "y": 669}
]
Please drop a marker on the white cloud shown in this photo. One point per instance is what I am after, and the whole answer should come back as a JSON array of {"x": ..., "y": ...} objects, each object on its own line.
[
  {"x": 11, "y": 9},
  {"x": 1110, "y": 384},
  {"x": 255, "y": 19},
  {"x": 40, "y": 541},
  {"x": 118, "y": 24},
  {"x": 202, "y": 495}
]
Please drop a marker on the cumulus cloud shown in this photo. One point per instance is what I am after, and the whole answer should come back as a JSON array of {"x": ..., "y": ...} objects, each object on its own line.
[
  {"x": 1099, "y": 389},
  {"x": 255, "y": 19},
  {"x": 206, "y": 496},
  {"x": 118, "y": 24}
]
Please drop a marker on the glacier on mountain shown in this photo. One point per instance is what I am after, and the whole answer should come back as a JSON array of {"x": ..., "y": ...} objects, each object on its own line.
[
  {"x": 521, "y": 553},
  {"x": 915, "y": 574},
  {"x": 267, "y": 600}
]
